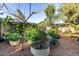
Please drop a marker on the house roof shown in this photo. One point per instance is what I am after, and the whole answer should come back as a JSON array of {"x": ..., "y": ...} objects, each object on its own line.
[{"x": 20, "y": 21}]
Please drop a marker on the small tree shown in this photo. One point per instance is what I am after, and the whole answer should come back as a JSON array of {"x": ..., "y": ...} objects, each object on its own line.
[{"x": 20, "y": 16}]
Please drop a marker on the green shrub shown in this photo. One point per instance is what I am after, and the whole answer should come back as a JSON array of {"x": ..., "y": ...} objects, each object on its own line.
[
  {"x": 18, "y": 27},
  {"x": 34, "y": 34},
  {"x": 54, "y": 37},
  {"x": 54, "y": 29},
  {"x": 7, "y": 33},
  {"x": 14, "y": 36},
  {"x": 37, "y": 37},
  {"x": 77, "y": 27},
  {"x": 53, "y": 32}
]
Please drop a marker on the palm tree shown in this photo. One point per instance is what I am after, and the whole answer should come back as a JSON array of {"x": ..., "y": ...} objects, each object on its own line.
[
  {"x": 20, "y": 15},
  {"x": 49, "y": 11}
]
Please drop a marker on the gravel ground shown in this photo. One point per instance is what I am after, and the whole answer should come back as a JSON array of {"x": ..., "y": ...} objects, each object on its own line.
[{"x": 66, "y": 47}]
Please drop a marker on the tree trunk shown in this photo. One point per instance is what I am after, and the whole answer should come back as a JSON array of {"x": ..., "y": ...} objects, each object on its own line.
[{"x": 22, "y": 40}]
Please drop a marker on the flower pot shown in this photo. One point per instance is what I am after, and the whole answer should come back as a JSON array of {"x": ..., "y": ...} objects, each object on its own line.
[
  {"x": 14, "y": 43},
  {"x": 43, "y": 52}
]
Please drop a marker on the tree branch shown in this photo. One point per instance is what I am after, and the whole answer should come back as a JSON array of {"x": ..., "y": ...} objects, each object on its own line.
[
  {"x": 29, "y": 16},
  {"x": 19, "y": 17},
  {"x": 11, "y": 12}
]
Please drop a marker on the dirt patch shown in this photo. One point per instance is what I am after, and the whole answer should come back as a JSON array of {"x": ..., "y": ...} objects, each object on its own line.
[{"x": 66, "y": 47}]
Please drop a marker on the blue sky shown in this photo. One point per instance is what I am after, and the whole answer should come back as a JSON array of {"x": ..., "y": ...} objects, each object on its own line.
[{"x": 24, "y": 7}]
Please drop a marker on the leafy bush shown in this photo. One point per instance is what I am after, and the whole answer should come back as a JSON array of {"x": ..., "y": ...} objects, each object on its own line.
[
  {"x": 37, "y": 37},
  {"x": 17, "y": 27},
  {"x": 53, "y": 32},
  {"x": 77, "y": 27},
  {"x": 34, "y": 34},
  {"x": 14, "y": 36},
  {"x": 54, "y": 37},
  {"x": 54, "y": 29},
  {"x": 6, "y": 34}
]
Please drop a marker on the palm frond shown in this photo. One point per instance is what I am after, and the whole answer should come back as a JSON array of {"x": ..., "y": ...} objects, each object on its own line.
[{"x": 19, "y": 15}]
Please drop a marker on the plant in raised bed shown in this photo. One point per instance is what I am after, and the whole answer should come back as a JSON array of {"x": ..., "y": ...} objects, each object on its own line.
[{"x": 14, "y": 38}]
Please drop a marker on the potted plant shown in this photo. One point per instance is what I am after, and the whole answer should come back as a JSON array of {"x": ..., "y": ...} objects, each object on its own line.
[
  {"x": 14, "y": 38},
  {"x": 39, "y": 41}
]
